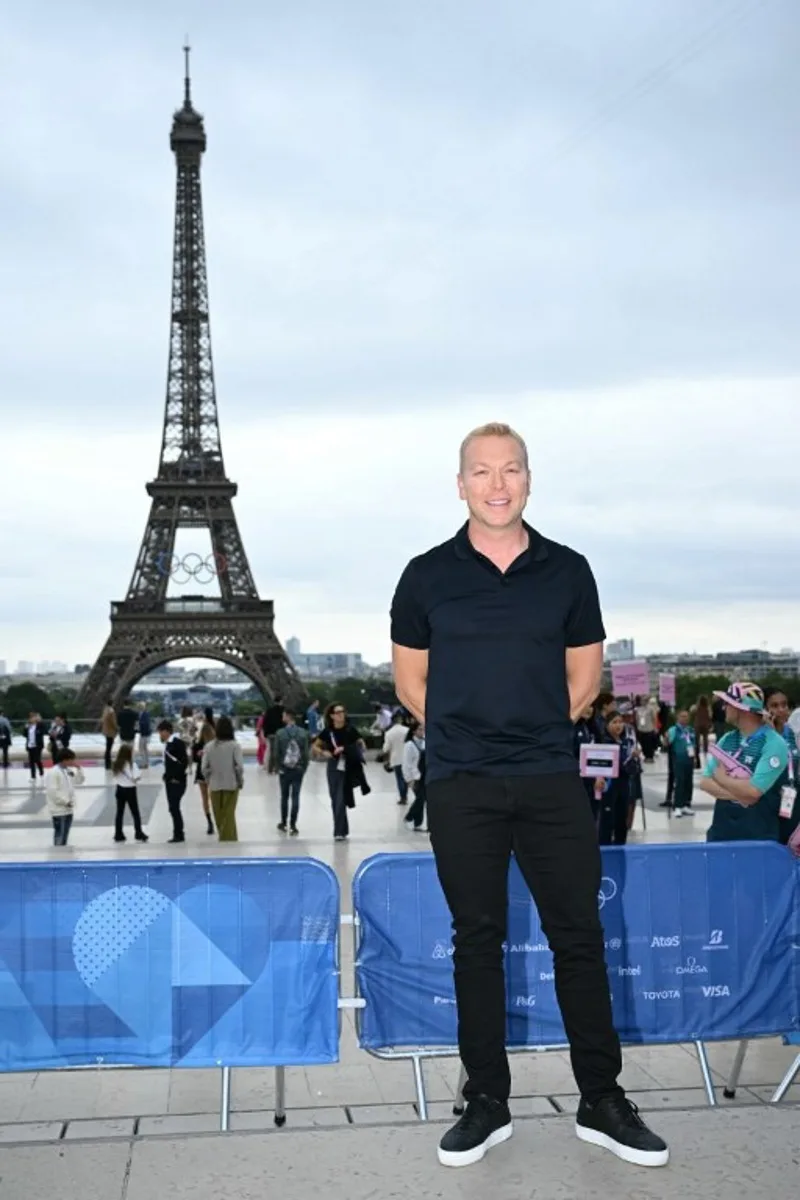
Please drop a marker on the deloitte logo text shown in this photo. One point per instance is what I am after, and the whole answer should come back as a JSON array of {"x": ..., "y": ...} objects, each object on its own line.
[
  {"x": 716, "y": 990},
  {"x": 664, "y": 943},
  {"x": 442, "y": 950},
  {"x": 546, "y": 976},
  {"x": 666, "y": 994},
  {"x": 716, "y": 941},
  {"x": 693, "y": 967}
]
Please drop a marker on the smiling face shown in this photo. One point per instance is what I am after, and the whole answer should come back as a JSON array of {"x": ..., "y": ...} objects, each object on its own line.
[{"x": 494, "y": 481}]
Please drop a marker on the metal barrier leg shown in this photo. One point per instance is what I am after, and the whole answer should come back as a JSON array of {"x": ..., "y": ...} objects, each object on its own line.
[
  {"x": 733, "y": 1080},
  {"x": 459, "y": 1103},
  {"x": 702, "y": 1058},
  {"x": 419, "y": 1081},
  {"x": 280, "y": 1096},
  {"x": 787, "y": 1081},
  {"x": 225, "y": 1102}
]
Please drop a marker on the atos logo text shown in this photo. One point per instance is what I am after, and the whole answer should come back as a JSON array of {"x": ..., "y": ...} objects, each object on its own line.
[
  {"x": 666, "y": 994},
  {"x": 665, "y": 943},
  {"x": 525, "y": 1001},
  {"x": 716, "y": 989},
  {"x": 716, "y": 941}
]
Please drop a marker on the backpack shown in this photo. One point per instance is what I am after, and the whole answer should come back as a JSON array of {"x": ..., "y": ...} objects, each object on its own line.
[{"x": 292, "y": 754}]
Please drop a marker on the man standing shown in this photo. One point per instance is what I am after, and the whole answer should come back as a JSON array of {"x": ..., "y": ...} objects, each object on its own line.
[
  {"x": 313, "y": 719},
  {"x": 394, "y": 743},
  {"x": 273, "y": 720},
  {"x": 34, "y": 743},
  {"x": 145, "y": 730},
  {"x": 176, "y": 762},
  {"x": 498, "y": 646},
  {"x": 291, "y": 753},
  {"x": 5, "y": 738},
  {"x": 108, "y": 724},
  {"x": 128, "y": 724}
]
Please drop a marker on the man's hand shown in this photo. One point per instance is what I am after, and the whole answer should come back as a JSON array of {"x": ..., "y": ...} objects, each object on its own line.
[{"x": 410, "y": 678}]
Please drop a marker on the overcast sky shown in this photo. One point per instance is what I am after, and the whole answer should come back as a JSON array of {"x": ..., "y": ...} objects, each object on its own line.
[{"x": 579, "y": 217}]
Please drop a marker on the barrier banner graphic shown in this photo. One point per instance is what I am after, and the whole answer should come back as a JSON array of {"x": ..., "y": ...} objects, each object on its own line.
[
  {"x": 182, "y": 963},
  {"x": 701, "y": 943}
]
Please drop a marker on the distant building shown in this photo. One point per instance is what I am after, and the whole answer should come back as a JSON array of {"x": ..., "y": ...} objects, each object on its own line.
[
  {"x": 293, "y": 648},
  {"x": 3, "y": 667},
  {"x": 24, "y": 667},
  {"x": 753, "y": 665},
  {"x": 621, "y": 651}
]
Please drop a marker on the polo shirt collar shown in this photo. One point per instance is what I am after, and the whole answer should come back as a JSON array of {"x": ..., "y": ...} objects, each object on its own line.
[{"x": 536, "y": 552}]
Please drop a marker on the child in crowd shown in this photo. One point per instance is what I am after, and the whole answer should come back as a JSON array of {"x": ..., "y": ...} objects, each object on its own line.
[
  {"x": 126, "y": 776},
  {"x": 60, "y": 782},
  {"x": 682, "y": 744},
  {"x": 613, "y": 794},
  {"x": 414, "y": 774}
]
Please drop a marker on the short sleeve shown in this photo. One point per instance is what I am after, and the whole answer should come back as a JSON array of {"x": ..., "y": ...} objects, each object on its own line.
[
  {"x": 584, "y": 621},
  {"x": 770, "y": 766},
  {"x": 409, "y": 620},
  {"x": 671, "y": 735}
]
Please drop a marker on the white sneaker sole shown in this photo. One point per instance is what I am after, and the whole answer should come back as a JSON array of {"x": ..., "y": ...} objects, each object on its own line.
[
  {"x": 465, "y": 1158},
  {"x": 639, "y": 1158}
]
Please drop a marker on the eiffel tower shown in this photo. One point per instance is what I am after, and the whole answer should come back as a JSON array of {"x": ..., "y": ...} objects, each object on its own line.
[{"x": 190, "y": 491}]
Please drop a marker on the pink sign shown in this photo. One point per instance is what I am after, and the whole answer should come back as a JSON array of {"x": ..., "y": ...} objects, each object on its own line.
[
  {"x": 630, "y": 678},
  {"x": 666, "y": 689},
  {"x": 599, "y": 761}
]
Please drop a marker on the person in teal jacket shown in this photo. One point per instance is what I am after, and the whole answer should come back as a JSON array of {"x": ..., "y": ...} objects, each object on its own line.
[
  {"x": 681, "y": 740},
  {"x": 777, "y": 703},
  {"x": 747, "y": 809}
]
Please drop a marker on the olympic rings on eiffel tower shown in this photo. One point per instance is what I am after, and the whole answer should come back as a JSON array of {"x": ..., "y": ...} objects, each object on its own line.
[{"x": 192, "y": 566}]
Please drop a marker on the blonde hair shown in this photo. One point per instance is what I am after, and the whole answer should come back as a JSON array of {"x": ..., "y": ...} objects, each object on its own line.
[{"x": 493, "y": 429}]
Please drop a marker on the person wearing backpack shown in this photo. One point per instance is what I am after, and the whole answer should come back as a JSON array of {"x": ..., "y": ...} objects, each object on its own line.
[{"x": 291, "y": 756}]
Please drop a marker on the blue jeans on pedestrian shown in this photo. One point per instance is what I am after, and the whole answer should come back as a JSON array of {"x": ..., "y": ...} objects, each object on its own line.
[
  {"x": 61, "y": 828},
  {"x": 290, "y": 779},
  {"x": 402, "y": 786}
]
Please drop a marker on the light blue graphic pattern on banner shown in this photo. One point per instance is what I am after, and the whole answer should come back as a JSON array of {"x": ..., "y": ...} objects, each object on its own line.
[
  {"x": 701, "y": 942},
  {"x": 219, "y": 962}
]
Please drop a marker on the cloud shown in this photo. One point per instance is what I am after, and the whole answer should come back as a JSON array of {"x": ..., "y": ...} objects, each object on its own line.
[{"x": 417, "y": 218}]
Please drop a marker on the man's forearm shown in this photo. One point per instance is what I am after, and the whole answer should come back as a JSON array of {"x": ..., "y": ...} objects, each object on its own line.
[
  {"x": 581, "y": 695},
  {"x": 712, "y": 788},
  {"x": 412, "y": 697}
]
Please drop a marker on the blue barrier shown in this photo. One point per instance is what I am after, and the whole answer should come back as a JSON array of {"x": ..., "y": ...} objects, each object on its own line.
[
  {"x": 701, "y": 944},
  {"x": 178, "y": 963}
]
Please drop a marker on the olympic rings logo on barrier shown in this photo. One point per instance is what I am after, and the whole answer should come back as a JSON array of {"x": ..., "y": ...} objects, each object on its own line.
[{"x": 192, "y": 566}]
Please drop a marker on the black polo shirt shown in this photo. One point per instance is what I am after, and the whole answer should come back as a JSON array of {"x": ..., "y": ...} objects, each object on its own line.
[{"x": 497, "y": 701}]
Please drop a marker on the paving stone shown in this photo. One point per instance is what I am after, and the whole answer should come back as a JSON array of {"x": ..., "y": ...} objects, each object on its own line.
[
  {"x": 96, "y": 1130},
  {"x": 65, "y": 1172},
  {"x": 178, "y": 1124},
  {"x": 296, "y": 1118},
  {"x": 382, "y": 1114},
  {"x": 31, "y": 1131}
]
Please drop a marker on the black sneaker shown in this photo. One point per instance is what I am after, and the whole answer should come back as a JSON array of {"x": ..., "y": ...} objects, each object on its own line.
[
  {"x": 485, "y": 1123},
  {"x": 281, "y": 827},
  {"x": 614, "y": 1123},
  {"x": 294, "y": 831}
]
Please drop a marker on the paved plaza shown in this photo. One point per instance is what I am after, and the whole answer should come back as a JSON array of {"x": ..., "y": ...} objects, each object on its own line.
[{"x": 111, "y": 1133}]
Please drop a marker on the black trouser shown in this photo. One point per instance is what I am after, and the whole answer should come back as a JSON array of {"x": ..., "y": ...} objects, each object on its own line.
[
  {"x": 670, "y": 774},
  {"x": 4, "y": 745},
  {"x": 127, "y": 796},
  {"x": 684, "y": 782},
  {"x": 61, "y": 828},
  {"x": 612, "y": 827},
  {"x": 291, "y": 779},
  {"x": 338, "y": 789},
  {"x": 175, "y": 789},
  {"x": 109, "y": 747},
  {"x": 475, "y": 824},
  {"x": 700, "y": 743},
  {"x": 35, "y": 761},
  {"x": 416, "y": 814}
]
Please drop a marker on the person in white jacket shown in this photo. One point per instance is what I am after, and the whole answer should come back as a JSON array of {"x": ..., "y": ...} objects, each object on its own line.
[
  {"x": 393, "y": 742},
  {"x": 414, "y": 774},
  {"x": 60, "y": 782}
]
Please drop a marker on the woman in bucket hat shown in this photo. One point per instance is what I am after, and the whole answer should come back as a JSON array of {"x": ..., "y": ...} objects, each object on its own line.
[{"x": 748, "y": 791}]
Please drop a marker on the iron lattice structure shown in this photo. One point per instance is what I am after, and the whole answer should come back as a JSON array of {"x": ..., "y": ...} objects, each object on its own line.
[{"x": 191, "y": 490}]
